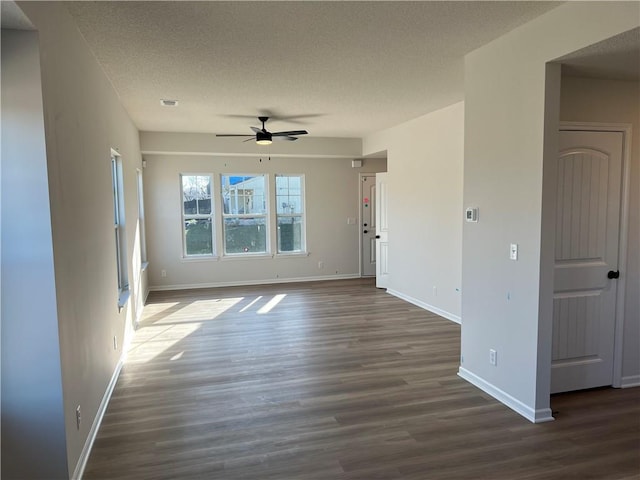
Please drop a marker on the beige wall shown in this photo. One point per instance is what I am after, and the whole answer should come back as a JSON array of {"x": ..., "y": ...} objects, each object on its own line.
[
  {"x": 607, "y": 101},
  {"x": 83, "y": 121},
  {"x": 331, "y": 191},
  {"x": 511, "y": 123},
  {"x": 33, "y": 429},
  {"x": 425, "y": 158}
]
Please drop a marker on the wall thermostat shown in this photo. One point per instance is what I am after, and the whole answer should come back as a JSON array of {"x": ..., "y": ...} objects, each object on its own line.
[{"x": 471, "y": 215}]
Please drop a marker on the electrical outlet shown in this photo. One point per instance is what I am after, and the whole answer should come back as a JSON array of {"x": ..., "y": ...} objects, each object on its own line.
[
  {"x": 163, "y": 273},
  {"x": 115, "y": 342},
  {"x": 493, "y": 357},
  {"x": 320, "y": 264},
  {"x": 78, "y": 417}
]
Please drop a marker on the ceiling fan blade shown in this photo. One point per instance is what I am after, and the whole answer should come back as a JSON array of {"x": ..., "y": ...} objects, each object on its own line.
[
  {"x": 233, "y": 135},
  {"x": 250, "y": 139},
  {"x": 286, "y": 139},
  {"x": 289, "y": 133},
  {"x": 274, "y": 115},
  {"x": 256, "y": 129}
]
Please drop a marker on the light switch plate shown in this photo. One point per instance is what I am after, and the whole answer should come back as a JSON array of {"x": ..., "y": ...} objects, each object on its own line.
[{"x": 513, "y": 251}]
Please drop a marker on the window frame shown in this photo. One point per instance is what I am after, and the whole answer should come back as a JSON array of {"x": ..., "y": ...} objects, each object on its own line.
[
  {"x": 302, "y": 215},
  {"x": 142, "y": 232},
  {"x": 266, "y": 215},
  {"x": 119, "y": 225},
  {"x": 198, "y": 216}
]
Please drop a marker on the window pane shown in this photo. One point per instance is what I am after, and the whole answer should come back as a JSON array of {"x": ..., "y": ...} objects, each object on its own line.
[
  {"x": 289, "y": 195},
  {"x": 204, "y": 195},
  {"x": 245, "y": 235},
  {"x": 198, "y": 238},
  {"x": 294, "y": 186},
  {"x": 242, "y": 195},
  {"x": 289, "y": 234},
  {"x": 117, "y": 180},
  {"x": 288, "y": 204},
  {"x": 204, "y": 206},
  {"x": 282, "y": 183},
  {"x": 196, "y": 194}
]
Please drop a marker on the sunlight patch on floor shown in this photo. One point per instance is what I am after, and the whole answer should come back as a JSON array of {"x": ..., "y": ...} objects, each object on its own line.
[
  {"x": 163, "y": 340},
  {"x": 272, "y": 303},
  {"x": 199, "y": 310},
  {"x": 247, "y": 307},
  {"x": 163, "y": 328}
]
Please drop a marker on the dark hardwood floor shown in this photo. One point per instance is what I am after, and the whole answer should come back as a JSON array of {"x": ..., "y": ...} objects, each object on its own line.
[{"x": 334, "y": 380}]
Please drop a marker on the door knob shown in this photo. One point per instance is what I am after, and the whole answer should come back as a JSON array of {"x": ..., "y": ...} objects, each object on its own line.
[
  {"x": 377, "y": 236},
  {"x": 612, "y": 274},
  {"x": 366, "y": 231}
]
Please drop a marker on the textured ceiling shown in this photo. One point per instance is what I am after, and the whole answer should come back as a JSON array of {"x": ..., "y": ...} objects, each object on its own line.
[
  {"x": 616, "y": 58},
  {"x": 341, "y": 69},
  {"x": 12, "y": 17}
]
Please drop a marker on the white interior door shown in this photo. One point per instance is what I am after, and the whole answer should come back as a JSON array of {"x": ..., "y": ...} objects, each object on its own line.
[
  {"x": 587, "y": 240},
  {"x": 382, "y": 237},
  {"x": 368, "y": 224}
]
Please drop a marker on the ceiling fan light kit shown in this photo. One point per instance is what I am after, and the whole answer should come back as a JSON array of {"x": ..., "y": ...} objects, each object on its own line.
[{"x": 265, "y": 137}]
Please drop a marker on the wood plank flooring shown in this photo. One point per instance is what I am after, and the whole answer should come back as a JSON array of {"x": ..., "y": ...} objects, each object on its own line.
[{"x": 333, "y": 380}]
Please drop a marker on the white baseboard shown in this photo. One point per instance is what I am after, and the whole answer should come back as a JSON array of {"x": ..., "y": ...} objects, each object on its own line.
[
  {"x": 426, "y": 306},
  {"x": 534, "y": 416},
  {"x": 630, "y": 381},
  {"x": 88, "y": 444},
  {"x": 252, "y": 282}
]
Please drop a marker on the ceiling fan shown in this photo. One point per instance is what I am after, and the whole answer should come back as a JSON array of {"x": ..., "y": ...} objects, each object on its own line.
[{"x": 265, "y": 137}]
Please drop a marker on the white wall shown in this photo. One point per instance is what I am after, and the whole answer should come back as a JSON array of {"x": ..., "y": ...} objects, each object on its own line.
[
  {"x": 33, "y": 430},
  {"x": 511, "y": 122},
  {"x": 425, "y": 158},
  {"x": 331, "y": 188},
  {"x": 607, "y": 101},
  {"x": 83, "y": 121}
]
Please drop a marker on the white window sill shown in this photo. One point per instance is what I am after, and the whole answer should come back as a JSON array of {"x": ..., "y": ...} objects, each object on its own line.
[
  {"x": 203, "y": 258},
  {"x": 123, "y": 298},
  {"x": 292, "y": 254},
  {"x": 247, "y": 256}
]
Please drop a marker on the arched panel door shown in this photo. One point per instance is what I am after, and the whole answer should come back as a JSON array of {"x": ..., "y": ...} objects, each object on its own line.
[{"x": 589, "y": 184}]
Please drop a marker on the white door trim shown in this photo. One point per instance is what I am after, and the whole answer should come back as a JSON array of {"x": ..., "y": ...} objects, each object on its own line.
[{"x": 625, "y": 129}]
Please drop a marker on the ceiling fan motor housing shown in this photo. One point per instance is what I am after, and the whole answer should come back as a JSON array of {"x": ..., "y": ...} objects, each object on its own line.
[{"x": 265, "y": 136}]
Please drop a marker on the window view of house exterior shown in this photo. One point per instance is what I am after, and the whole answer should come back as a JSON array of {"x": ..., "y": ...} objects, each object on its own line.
[
  {"x": 197, "y": 213},
  {"x": 290, "y": 213},
  {"x": 244, "y": 213}
]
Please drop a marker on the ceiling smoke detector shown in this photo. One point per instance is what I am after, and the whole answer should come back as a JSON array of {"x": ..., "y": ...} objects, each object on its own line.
[{"x": 169, "y": 103}]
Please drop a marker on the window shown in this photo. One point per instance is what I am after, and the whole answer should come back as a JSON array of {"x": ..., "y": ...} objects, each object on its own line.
[
  {"x": 290, "y": 213},
  {"x": 244, "y": 214},
  {"x": 197, "y": 215},
  {"x": 117, "y": 184},
  {"x": 142, "y": 238}
]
